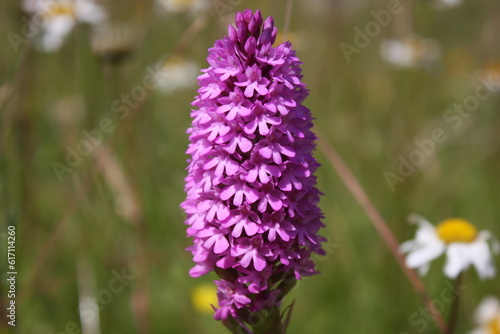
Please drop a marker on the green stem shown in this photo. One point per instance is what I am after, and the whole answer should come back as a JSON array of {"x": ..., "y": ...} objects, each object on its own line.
[
  {"x": 266, "y": 321},
  {"x": 452, "y": 321}
]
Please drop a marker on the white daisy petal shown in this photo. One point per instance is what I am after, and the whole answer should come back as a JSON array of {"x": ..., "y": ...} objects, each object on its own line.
[
  {"x": 88, "y": 11},
  {"x": 480, "y": 331},
  {"x": 481, "y": 258},
  {"x": 487, "y": 310},
  {"x": 426, "y": 232},
  {"x": 417, "y": 219},
  {"x": 457, "y": 259},
  {"x": 407, "y": 246},
  {"x": 495, "y": 245},
  {"x": 425, "y": 254},
  {"x": 424, "y": 269},
  {"x": 55, "y": 32}
]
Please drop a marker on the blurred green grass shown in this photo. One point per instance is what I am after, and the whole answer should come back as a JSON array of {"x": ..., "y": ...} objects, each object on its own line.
[{"x": 370, "y": 111}]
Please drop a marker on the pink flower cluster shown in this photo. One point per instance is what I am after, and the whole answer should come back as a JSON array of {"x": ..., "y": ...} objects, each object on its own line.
[{"x": 251, "y": 197}]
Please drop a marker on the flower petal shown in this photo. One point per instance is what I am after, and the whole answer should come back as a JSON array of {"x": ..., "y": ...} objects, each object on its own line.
[
  {"x": 481, "y": 258},
  {"x": 259, "y": 262},
  {"x": 457, "y": 259},
  {"x": 487, "y": 310},
  {"x": 424, "y": 269},
  {"x": 424, "y": 255},
  {"x": 221, "y": 244},
  {"x": 407, "y": 246}
]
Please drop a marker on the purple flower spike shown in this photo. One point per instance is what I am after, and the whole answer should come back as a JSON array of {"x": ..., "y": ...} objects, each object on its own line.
[{"x": 251, "y": 191}]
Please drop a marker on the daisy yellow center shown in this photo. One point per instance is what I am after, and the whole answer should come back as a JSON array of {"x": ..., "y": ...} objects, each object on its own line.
[
  {"x": 456, "y": 230},
  {"x": 494, "y": 326},
  {"x": 59, "y": 9},
  {"x": 182, "y": 2}
]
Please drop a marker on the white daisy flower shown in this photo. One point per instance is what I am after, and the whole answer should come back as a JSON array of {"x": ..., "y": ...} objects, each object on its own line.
[
  {"x": 410, "y": 51},
  {"x": 491, "y": 74},
  {"x": 177, "y": 6},
  {"x": 177, "y": 73},
  {"x": 463, "y": 244},
  {"x": 447, "y": 4},
  {"x": 53, "y": 20},
  {"x": 115, "y": 41},
  {"x": 488, "y": 316}
]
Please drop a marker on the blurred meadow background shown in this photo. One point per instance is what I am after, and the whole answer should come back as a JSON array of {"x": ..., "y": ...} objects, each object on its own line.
[{"x": 92, "y": 157}]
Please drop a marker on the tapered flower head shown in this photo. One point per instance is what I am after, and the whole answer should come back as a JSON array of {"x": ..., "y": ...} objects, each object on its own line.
[
  {"x": 463, "y": 244},
  {"x": 251, "y": 198}
]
